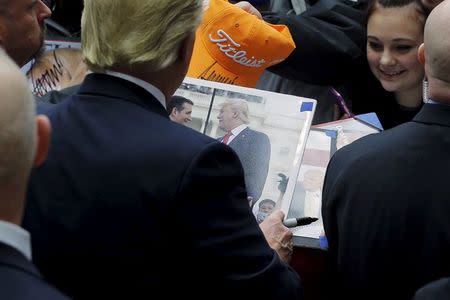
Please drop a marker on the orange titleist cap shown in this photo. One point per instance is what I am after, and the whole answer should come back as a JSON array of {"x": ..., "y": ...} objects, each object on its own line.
[{"x": 235, "y": 47}]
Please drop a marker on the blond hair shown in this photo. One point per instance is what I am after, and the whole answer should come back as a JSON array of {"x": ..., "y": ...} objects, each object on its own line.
[
  {"x": 240, "y": 107},
  {"x": 17, "y": 122},
  {"x": 129, "y": 32}
]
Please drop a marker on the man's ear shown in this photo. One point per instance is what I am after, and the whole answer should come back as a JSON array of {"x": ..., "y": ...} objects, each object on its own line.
[
  {"x": 187, "y": 46},
  {"x": 421, "y": 54},
  {"x": 174, "y": 111},
  {"x": 43, "y": 139}
]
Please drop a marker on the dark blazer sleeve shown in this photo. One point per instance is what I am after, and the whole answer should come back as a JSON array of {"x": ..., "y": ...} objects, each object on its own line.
[
  {"x": 330, "y": 37},
  {"x": 228, "y": 246}
]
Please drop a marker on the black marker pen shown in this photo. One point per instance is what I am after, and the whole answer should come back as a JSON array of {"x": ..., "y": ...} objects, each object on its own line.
[{"x": 299, "y": 221}]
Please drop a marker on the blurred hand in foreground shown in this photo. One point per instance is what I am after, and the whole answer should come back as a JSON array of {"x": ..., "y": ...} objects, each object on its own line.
[
  {"x": 249, "y": 8},
  {"x": 277, "y": 235}
]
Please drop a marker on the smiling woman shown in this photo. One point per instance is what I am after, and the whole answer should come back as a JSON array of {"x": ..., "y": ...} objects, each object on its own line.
[{"x": 394, "y": 34}]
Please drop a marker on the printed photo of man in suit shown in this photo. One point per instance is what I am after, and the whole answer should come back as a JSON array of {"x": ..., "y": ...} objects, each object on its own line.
[
  {"x": 251, "y": 146},
  {"x": 180, "y": 110}
]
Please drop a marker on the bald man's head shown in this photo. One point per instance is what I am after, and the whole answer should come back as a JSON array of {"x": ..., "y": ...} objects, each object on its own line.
[
  {"x": 437, "y": 43},
  {"x": 17, "y": 122},
  {"x": 24, "y": 138}
]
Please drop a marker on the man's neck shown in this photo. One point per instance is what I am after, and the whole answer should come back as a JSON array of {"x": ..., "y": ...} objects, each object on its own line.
[
  {"x": 235, "y": 125},
  {"x": 12, "y": 204},
  {"x": 161, "y": 79},
  {"x": 439, "y": 90}
]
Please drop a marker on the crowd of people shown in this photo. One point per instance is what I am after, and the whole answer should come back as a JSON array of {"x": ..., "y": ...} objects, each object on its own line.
[{"x": 110, "y": 196}]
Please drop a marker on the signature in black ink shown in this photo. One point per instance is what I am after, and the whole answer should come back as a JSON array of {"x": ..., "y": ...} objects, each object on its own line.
[
  {"x": 48, "y": 80},
  {"x": 211, "y": 75}
]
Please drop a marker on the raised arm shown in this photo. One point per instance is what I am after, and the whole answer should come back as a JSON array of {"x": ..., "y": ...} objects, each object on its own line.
[{"x": 329, "y": 36}]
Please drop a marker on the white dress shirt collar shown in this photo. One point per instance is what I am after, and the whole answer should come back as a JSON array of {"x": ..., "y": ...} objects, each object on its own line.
[
  {"x": 144, "y": 84},
  {"x": 16, "y": 237},
  {"x": 431, "y": 101},
  {"x": 236, "y": 131}
]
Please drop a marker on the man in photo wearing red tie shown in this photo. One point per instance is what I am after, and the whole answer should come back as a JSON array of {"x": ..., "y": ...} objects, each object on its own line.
[{"x": 252, "y": 147}]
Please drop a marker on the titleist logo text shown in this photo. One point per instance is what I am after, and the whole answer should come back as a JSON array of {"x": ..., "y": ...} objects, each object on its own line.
[{"x": 231, "y": 49}]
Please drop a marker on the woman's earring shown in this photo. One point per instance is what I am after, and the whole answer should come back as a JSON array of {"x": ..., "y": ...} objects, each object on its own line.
[{"x": 425, "y": 90}]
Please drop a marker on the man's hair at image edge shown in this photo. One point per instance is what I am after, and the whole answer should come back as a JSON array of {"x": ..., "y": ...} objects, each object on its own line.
[
  {"x": 2, "y": 6},
  {"x": 437, "y": 42},
  {"x": 17, "y": 122},
  {"x": 178, "y": 102},
  {"x": 240, "y": 107},
  {"x": 118, "y": 32}
]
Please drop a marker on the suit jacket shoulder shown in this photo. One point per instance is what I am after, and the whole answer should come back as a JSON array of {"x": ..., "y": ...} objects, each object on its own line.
[
  {"x": 334, "y": 31},
  {"x": 386, "y": 193},
  {"x": 20, "y": 280}
]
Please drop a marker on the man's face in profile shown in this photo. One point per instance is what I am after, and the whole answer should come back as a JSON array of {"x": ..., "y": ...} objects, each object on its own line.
[
  {"x": 226, "y": 118},
  {"x": 22, "y": 33},
  {"x": 184, "y": 116}
]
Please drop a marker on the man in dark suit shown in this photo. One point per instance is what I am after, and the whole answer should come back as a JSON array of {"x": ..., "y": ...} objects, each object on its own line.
[
  {"x": 130, "y": 204},
  {"x": 23, "y": 141},
  {"x": 22, "y": 28},
  {"x": 251, "y": 146},
  {"x": 180, "y": 110},
  {"x": 385, "y": 197}
]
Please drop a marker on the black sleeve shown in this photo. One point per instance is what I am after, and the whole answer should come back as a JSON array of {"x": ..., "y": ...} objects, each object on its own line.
[
  {"x": 329, "y": 37},
  {"x": 230, "y": 252}
]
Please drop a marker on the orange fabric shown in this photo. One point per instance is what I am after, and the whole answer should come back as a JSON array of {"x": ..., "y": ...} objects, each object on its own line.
[{"x": 235, "y": 47}]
